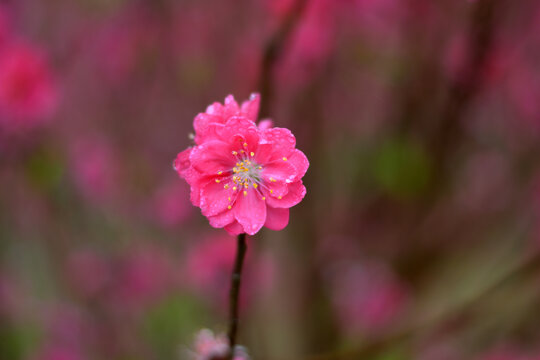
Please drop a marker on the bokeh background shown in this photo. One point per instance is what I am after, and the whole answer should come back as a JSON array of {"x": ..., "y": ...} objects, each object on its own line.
[{"x": 419, "y": 234}]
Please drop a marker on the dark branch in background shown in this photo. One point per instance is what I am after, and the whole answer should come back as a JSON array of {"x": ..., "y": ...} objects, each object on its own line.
[
  {"x": 272, "y": 53},
  {"x": 236, "y": 281}
]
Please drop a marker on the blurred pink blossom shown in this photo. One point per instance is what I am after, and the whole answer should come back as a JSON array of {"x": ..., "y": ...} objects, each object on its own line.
[
  {"x": 95, "y": 168},
  {"x": 143, "y": 276},
  {"x": 88, "y": 272},
  {"x": 367, "y": 297},
  {"x": 124, "y": 42},
  {"x": 208, "y": 346},
  {"x": 170, "y": 205},
  {"x": 209, "y": 265},
  {"x": 28, "y": 93}
]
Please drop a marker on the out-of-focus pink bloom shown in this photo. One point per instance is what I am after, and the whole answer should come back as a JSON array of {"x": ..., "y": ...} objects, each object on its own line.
[
  {"x": 311, "y": 43},
  {"x": 124, "y": 42},
  {"x": 208, "y": 346},
  {"x": 27, "y": 90},
  {"x": 143, "y": 277},
  {"x": 95, "y": 169},
  {"x": 240, "y": 176},
  {"x": 68, "y": 326},
  {"x": 367, "y": 297},
  {"x": 88, "y": 273},
  {"x": 209, "y": 265},
  {"x": 170, "y": 205}
]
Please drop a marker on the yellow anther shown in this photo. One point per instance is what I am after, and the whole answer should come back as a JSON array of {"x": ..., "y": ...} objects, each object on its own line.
[
  {"x": 229, "y": 207},
  {"x": 271, "y": 191},
  {"x": 264, "y": 198},
  {"x": 235, "y": 170},
  {"x": 220, "y": 172},
  {"x": 284, "y": 158},
  {"x": 260, "y": 167},
  {"x": 255, "y": 186},
  {"x": 218, "y": 181},
  {"x": 226, "y": 186},
  {"x": 245, "y": 144},
  {"x": 229, "y": 198},
  {"x": 242, "y": 163},
  {"x": 245, "y": 193},
  {"x": 252, "y": 153},
  {"x": 246, "y": 185},
  {"x": 272, "y": 180},
  {"x": 242, "y": 151},
  {"x": 234, "y": 153},
  {"x": 234, "y": 188},
  {"x": 279, "y": 197}
]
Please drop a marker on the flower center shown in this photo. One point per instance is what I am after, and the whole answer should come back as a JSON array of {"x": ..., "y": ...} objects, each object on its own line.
[{"x": 246, "y": 172}]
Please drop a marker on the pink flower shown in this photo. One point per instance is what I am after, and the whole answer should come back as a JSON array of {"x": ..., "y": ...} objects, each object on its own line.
[
  {"x": 241, "y": 176},
  {"x": 27, "y": 90},
  {"x": 211, "y": 347}
]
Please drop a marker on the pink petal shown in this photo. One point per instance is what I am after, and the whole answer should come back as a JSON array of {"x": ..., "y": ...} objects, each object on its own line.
[
  {"x": 300, "y": 162},
  {"x": 238, "y": 126},
  {"x": 182, "y": 163},
  {"x": 223, "y": 219},
  {"x": 250, "y": 211},
  {"x": 264, "y": 153},
  {"x": 205, "y": 126},
  {"x": 215, "y": 198},
  {"x": 276, "y": 219},
  {"x": 279, "y": 170},
  {"x": 250, "y": 108},
  {"x": 282, "y": 139},
  {"x": 265, "y": 124},
  {"x": 211, "y": 157},
  {"x": 234, "y": 228},
  {"x": 231, "y": 107},
  {"x": 296, "y": 193}
]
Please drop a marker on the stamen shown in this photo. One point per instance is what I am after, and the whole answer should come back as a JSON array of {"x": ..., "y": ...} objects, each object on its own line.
[
  {"x": 218, "y": 181},
  {"x": 245, "y": 193},
  {"x": 284, "y": 158}
]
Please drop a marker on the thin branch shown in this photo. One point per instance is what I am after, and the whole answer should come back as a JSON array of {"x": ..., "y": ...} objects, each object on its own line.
[{"x": 236, "y": 281}]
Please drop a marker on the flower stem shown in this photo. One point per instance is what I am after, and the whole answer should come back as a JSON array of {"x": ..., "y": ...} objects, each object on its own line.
[{"x": 235, "y": 291}]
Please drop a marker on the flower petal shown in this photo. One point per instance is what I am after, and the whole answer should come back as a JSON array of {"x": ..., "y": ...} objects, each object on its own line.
[
  {"x": 282, "y": 139},
  {"x": 250, "y": 211},
  {"x": 300, "y": 162},
  {"x": 250, "y": 108},
  {"x": 215, "y": 198},
  {"x": 234, "y": 228},
  {"x": 239, "y": 127},
  {"x": 296, "y": 193},
  {"x": 223, "y": 219},
  {"x": 279, "y": 171},
  {"x": 205, "y": 126},
  {"x": 276, "y": 218},
  {"x": 211, "y": 157}
]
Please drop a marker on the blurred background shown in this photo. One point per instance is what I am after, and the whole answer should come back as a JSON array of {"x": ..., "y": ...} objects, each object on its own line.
[{"x": 419, "y": 237}]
